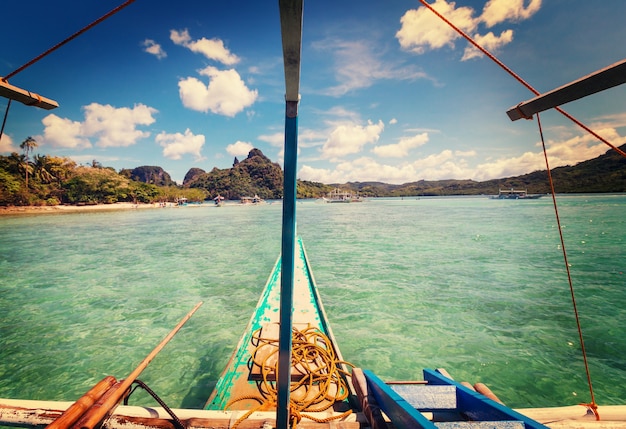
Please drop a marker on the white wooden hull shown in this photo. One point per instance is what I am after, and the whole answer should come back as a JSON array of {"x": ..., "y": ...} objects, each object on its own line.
[{"x": 27, "y": 413}]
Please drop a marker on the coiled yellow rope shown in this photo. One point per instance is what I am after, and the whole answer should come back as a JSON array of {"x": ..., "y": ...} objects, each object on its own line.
[{"x": 322, "y": 383}]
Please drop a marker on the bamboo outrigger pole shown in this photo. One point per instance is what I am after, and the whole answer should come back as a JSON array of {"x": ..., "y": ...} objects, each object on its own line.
[
  {"x": 78, "y": 408},
  {"x": 108, "y": 400},
  {"x": 291, "y": 30},
  {"x": 600, "y": 80}
]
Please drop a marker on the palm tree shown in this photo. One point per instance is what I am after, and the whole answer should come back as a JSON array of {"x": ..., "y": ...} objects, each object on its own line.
[
  {"x": 28, "y": 145},
  {"x": 42, "y": 167}
]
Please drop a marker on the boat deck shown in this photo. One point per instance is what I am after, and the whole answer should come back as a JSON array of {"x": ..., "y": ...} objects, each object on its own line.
[{"x": 243, "y": 384}]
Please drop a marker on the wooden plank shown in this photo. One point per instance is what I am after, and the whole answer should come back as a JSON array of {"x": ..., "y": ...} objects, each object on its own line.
[
  {"x": 368, "y": 403},
  {"x": 29, "y": 413},
  {"x": 481, "y": 425},
  {"x": 427, "y": 397},
  {"x": 478, "y": 407},
  {"x": 600, "y": 80},
  {"x": 400, "y": 412},
  {"x": 26, "y": 97}
]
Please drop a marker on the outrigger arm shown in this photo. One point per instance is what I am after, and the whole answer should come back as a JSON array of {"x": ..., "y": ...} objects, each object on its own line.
[
  {"x": 291, "y": 30},
  {"x": 26, "y": 97},
  {"x": 600, "y": 80}
]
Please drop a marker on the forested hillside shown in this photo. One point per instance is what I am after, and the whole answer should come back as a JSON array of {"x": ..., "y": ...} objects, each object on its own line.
[{"x": 49, "y": 180}]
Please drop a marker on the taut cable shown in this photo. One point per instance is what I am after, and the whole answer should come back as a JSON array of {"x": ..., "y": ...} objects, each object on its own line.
[
  {"x": 519, "y": 79},
  {"x": 72, "y": 37},
  {"x": 593, "y": 406}
]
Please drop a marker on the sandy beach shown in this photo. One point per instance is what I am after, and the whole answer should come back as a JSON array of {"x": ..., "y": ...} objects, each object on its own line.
[{"x": 69, "y": 208}]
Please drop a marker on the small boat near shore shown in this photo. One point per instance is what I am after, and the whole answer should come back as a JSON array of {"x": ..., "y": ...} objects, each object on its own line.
[
  {"x": 342, "y": 196},
  {"x": 515, "y": 194},
  {"x": 252, "y": 200}
]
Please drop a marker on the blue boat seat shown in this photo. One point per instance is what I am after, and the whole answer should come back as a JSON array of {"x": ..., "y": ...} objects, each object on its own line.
[{"x": 427, "y": 397}]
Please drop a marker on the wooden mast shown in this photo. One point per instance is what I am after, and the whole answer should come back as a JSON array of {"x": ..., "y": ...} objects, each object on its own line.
[
  {"x": 600, "y": 80},
  {"x": 291, "y": 30}
]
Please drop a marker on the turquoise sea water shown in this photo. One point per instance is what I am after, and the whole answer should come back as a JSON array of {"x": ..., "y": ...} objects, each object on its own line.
[{"x": 473, "y": 285}]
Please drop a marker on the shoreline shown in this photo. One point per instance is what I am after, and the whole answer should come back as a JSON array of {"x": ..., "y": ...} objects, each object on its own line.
[{"x": 17, "y": 210}]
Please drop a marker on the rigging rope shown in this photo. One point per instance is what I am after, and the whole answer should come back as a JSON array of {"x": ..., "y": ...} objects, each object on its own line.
[
  {"x": 519, "y": 79},
  {"x": 175, "y": 420},
  {"x": 322, "y": 384},
  {"x": 73, "y": 36},
  {"x": 593, "y": 406},
  {"x": 4, "y": 121}
]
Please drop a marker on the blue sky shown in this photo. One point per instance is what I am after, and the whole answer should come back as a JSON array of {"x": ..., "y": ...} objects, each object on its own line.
[{"x": 388, "y": 93}]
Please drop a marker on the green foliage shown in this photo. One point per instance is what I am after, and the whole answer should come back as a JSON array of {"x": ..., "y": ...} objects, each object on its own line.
[
  {"x": 192, "y": 174},
  {"x": 306, "y": 189},
  {"x": 11, "y": 189},
  {"x": 96, "y": 186},
  {"x": 149, "y": 174},
  {"x": 255, "y": 175}
]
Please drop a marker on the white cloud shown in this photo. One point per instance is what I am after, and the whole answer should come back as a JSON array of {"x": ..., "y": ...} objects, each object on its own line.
[
  {"x": 489, "y": 41},
  {"x": 350, "y": 138},
  {"x": 239, "y": 148},
  {"x": 497, "y": 11},
  {"x": 448, "y": 164},
  {"x": 176, "y": 145},
  {"x": 64, "y": 133},
  {"x": 152, "y": 47},
  {"x": 422, "y": 30},
  {"x": 560, "y": 153},
  {"x": 107, "y": 125},
  {"x": 401, "y": 149},
  {"x": 444, "y": 165},
  {"x": 276, "y": 139},
  {"x": 116, "y": 127},
  {"x": 393, "y": 121},
  {"x": 357, "y": 66},
  {"x": 363, "y": 169},
  {"x": 212, "y": 49},
  {"x": 226, "y": 94},
  {"x": 6, "y": 144}
]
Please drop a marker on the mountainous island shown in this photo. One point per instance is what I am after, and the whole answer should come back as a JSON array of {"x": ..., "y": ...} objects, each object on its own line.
[{"x": 48, "y": 180}]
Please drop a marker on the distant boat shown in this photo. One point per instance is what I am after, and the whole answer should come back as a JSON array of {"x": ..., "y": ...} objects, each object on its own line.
[
  {"x": 182, "y": 201},
  {"x": 252, "y": 200},
  {"x": 515, "y": 194},
  {"x": 342, "y": 196},
  {"x": 218, "y": 200}
]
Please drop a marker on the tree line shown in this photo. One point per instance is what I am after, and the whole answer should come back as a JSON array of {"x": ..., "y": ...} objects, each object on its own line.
[
  {"x": 38, "y": 180},
  {"x": 43, "y": 180}
]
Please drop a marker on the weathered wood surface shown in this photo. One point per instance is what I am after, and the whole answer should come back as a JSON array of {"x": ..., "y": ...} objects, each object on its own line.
[
  {"x": 236, "y": 381},
  {"x": 41, "y": 413},
  {"x": 600, "y": 80},
  {"x": 25, "y": 413},
  {"x": 26, "y": 97},
  {"x": 291, "y": 30},
  {"x": 78, "y": 408}
]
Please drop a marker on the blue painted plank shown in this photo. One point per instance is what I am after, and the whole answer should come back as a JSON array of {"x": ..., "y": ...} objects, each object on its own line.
[
  {"x": 477, "y": 406},
  {"x": 427, "y": 398},
  {"x": 400, "y": 412}
]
